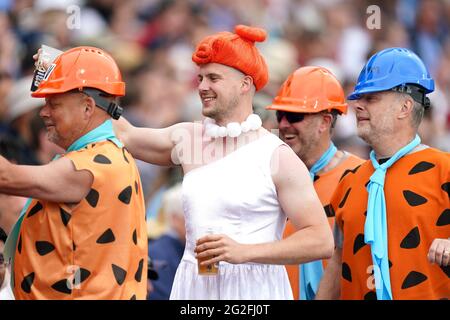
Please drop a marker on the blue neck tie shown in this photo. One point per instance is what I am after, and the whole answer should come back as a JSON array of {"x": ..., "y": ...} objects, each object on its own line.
[
  {"x": 311, "y": 272},
  {"x": 101, "y": 133},
  {"x": 375, "y": 228}
]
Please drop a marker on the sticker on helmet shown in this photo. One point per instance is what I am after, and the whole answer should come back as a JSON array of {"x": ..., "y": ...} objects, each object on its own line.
[{"x": 49, "y": 71}]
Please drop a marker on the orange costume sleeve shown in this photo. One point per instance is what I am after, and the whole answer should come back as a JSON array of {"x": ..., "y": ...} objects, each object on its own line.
[
  {"x": 96, "y": 249},
  {"x": 417, "y": 190}
]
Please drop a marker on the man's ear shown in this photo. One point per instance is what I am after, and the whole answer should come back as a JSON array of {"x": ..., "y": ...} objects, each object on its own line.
[
  {"x": 246, "y": 84},
  {"x": 406, "y": 108},
  {"x": 89, "y": 107},
  {"x": 327, "y": 119}
]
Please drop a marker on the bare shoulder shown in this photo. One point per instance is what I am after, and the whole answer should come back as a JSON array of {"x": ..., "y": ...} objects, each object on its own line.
[
  {"x": 285, "y": 164},
  {"x": 185, "y": 132}
]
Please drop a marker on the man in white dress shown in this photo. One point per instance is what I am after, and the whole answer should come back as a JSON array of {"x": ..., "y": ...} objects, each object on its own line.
[{"x": 237, "y": 176}]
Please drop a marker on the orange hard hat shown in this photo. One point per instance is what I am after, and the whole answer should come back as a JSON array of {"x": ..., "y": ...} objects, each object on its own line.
[
  {"x": 310, "y": 90},
  {"x": 82, "y": 67}
]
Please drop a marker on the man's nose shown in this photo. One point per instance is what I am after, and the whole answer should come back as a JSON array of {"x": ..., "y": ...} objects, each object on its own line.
[
  {"x": 356, "y": 104},
  {"x": 44, "y": 111},
  {"x": 283, "y": 123},
  {"x": 203, "y": 85}
]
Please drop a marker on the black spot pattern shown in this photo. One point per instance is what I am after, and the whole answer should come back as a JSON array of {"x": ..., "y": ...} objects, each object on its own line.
[
  {"x": 44, "y": 247},
  {"x": 329, "y": 211},
  {"x": 421, "y": 167},
  {"x": 106, "y": 237},
  {"x": 65, "y": 216},
  {"x": 81, "y": 275},
  {"x": 446, "y": 188},
  {"x": 371, "y": 295},
  {"x": 413, "y": 199},
  {"x": 92, "y": 198},
  {"x": 119, "y": 274},
  {"x": 61, "y": 286},
  {"x": 346, "y": 272},
  {"x": 413, "y": 279},
  {"x": 27, "y": 282},
  {"x": 446, "y": 270},
  {"x": 135, "y": 236},
  {"x": 412, "y": 239},
  {"x": 138, "y": 275},
  {"x": 125, "y": 195},
  {"x": 19, "y": 245},
  {"x": 124, "y": 155},
  {"x": 346, "y": 172},
  {"x": 359, "y": 243},
  {"x": 102, "y": 159},
  {"x": 37, "y": 207},
  {"x": 345, "y": 198},
  {"x": 444, "y": 218}
]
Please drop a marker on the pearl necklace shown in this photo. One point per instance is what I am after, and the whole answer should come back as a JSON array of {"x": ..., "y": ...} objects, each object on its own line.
[{"x": 233, "y": 129}]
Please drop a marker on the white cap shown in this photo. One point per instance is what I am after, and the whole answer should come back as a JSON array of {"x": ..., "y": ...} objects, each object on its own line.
[{"x": 19, "y": 99}]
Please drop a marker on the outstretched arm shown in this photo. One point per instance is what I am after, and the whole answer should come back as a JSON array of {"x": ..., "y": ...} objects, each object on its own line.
[
  {"x": 296, "y": 194},
  {"x": 153, "y": 145},
  {"x": 57, "y": 181}
]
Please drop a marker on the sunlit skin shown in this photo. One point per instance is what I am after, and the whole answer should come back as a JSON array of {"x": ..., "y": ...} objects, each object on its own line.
[
  {"x": 384, "y": 121},
  {"x": 64, "y": 119},
  {"x": 223, "y": 90},
  {"x": 309, "y": 138},
  {"x": 303, "y": 136},
  {"x": 375, "y": 115}
]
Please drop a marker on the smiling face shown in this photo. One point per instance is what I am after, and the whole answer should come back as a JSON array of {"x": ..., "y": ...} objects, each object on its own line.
[
  {"x": 302, "y": 136},
  {"x": 375, "y": 115},
  {"x": 64, "y": 117},
  {"x": 219, "y": 89}
]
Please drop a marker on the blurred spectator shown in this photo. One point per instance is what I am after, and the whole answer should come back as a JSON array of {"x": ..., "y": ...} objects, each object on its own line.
[
  {"x": 167, "y": 250},
  {"x": 5, "y": 288},
  {"x": 21, "y": 109},
  {"x": 10, "y": 206}
]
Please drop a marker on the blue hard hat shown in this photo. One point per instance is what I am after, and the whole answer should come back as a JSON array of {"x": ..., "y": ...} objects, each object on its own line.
[{"x": 390, "y": 68}]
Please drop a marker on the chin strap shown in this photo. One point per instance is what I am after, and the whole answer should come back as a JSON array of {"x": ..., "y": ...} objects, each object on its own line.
[
  {"x": 113, "y": 109},
  {"x": 418, "y": 94}
]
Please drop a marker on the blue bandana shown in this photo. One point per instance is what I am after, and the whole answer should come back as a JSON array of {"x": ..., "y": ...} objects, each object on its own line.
[{"x": 375, "y": 228}]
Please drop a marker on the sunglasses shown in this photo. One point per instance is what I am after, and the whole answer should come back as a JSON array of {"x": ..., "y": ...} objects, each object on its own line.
[{"x": 291, "y": 117}]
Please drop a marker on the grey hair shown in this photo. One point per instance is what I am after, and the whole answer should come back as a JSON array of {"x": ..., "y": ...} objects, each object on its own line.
[{"x": 417, "y": 111}]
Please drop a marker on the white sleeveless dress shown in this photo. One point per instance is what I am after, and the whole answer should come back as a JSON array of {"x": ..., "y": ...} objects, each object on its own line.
[{"x": 237, "y": 193}]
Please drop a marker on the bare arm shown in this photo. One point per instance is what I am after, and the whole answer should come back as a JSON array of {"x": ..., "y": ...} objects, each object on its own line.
[
  {"x": 296, "y": 194},
  {"x": 57, "y": 181},
  {"x": 330, "y": 285},
  {"x": 153, "y": 145}
]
